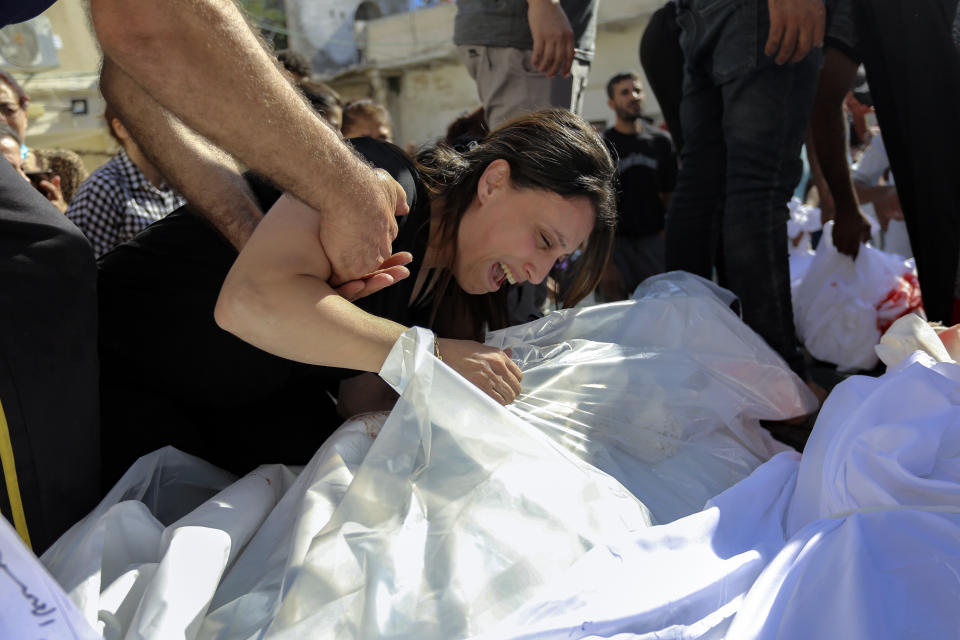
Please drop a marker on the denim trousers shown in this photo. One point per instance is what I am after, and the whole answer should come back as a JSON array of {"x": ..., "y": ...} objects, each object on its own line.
[{"x": 744, "y": 119}]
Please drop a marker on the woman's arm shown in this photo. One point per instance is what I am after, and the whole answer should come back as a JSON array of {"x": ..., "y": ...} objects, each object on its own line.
[{"x": 277, "y": 297}]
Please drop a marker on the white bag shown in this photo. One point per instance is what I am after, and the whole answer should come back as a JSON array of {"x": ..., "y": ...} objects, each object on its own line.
[
  {"x": 664, "y": 392},
  {"x": 842, "y": 306}
]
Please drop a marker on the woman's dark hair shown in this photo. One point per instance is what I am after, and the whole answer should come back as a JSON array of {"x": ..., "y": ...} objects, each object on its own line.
[{"x": 551, "y": 150}]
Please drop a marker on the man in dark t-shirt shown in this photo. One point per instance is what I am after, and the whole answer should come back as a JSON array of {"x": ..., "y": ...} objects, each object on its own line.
[{"x": 647, "y": 172}]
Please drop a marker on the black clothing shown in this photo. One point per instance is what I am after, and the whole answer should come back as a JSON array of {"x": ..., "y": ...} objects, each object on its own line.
[
  {"x": 662, "y": 61},
  {"x": 48, "y": 361},
  {"x": 646, "y": 167},
  {"x": 914, "y": 75},
  {"x": 22, "y": 10},
  {"x": 170, "y": 375}
]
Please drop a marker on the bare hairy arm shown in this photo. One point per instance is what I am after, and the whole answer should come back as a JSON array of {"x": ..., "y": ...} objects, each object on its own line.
[
  {"x": 200, "y": 60},
  {"x": 207, "y": 177}
]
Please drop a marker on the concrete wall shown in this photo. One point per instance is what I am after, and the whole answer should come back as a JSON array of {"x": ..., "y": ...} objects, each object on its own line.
[{"x": 411, "y": 66}]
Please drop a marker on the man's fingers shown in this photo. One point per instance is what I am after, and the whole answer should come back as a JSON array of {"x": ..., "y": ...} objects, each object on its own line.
[
  {"x": 820, "y": 27},
  {"x": 537, "y": 53},
  {"x": 402, "y": 207},
  {"x": 548, "y": 66},
  {"x": 804, "y": 43},
  {"x": 567, "y": 59},
  {"x": 775, "y": 36},
  {"x": 788, "y": 44}
]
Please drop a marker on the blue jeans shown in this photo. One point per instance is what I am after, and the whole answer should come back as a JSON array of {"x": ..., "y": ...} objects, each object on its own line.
[{"x": 744, "y": 119}]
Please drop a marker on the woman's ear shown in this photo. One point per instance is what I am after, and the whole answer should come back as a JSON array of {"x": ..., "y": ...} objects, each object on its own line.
[{"x": 495, "y": 177}]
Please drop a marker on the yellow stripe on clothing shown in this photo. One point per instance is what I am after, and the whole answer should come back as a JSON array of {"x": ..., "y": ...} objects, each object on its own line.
[{"x": 10, "y": 478}]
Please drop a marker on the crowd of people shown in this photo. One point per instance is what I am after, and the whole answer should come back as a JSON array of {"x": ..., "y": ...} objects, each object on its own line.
[{"x": 208, "y": 280}]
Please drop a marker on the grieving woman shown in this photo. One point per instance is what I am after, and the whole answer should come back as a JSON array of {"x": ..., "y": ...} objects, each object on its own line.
[{"x": 501, "y": 212}]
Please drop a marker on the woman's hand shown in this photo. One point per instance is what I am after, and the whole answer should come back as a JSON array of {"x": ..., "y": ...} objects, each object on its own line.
[{"x": 489, "y": 369}]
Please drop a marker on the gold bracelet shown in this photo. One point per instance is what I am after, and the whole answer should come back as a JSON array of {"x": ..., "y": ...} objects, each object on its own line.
[{"x": 436, "y": 348}]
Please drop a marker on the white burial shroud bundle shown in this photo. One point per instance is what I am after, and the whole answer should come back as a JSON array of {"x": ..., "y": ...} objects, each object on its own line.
[{"x": 599, "y": 503}]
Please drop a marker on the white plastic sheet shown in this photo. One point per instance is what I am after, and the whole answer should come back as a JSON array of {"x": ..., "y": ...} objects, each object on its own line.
[
  {"x": 664, "y": 392},
  {"x": 455, "y": 517},
  {"x": 842, "y": 306},
  {"x": 860, "y": 540}
]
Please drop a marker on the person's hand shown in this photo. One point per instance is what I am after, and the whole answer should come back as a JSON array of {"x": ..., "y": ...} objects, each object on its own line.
[
  {"x": 553, "y": 45},
  {"x": 489, "y": 369},
  {"x": 796, "y": 27},
  {"x": 51, "y": 190},
  {"x": 391, "y": 271},
  {"x": 359, "y": 224},
  {"x": 887, "y": 206},
  {"x": 850, "y": 229}
]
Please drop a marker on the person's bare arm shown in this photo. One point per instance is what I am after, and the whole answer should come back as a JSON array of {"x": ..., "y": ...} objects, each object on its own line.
[
  {"x": 827, "y": 208},
  {"x": 205, "y": 175},
  {"x": 796, "y": 27},
  {"x": 553, "y": 45},
  {"x": 277, "y": 297},
  {"x": 827, "y": 126},
  {"x": 200, "y": 60}
]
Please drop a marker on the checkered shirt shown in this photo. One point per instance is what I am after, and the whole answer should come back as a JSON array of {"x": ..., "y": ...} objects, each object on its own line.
[{"x": 117, "y": 201}]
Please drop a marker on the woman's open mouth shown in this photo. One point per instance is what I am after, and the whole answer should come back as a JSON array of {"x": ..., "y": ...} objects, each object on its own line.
[{"x": 499, "y": 273}]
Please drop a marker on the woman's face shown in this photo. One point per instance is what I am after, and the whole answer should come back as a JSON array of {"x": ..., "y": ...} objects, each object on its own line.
[{"x": 516, "y": 235}]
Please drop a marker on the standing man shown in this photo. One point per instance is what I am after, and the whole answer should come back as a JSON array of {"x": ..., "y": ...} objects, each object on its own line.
[
  {"x": 526, "y": 55},
  {"x": 750, "y": 71},
  {"x": 190, "y": 120},
  {"x": 647, "y": 172}
]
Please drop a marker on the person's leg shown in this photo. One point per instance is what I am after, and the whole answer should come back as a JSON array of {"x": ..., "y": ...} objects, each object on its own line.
[
  {"x": 662, "y": 60},
  {"x": 766, "y": 111},
  {"x": 48, "y": 362},
  {"x": 691, "y": 225},
  {"x": 918, "y": 101},
  {"x": 509, "y": 85},
  {"x": 714, "y": 49}
]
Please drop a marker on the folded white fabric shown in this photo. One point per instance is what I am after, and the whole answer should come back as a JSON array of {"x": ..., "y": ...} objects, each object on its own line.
[{"x": 909, "y": 334}]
